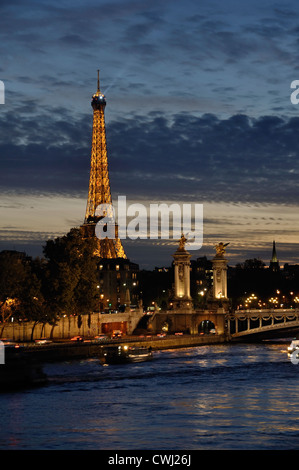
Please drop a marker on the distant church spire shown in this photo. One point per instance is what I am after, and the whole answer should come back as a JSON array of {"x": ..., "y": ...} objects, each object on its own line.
[
  {"x": 274, "y": 256},
  {"x": 274, "y": 264}
]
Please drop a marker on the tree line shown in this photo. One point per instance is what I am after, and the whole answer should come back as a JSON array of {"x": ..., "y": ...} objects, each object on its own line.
[{"x": 63, "y": 281}]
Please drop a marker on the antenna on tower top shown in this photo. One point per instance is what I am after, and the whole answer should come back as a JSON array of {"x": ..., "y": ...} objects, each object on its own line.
[{"x": 98, "y": 81}]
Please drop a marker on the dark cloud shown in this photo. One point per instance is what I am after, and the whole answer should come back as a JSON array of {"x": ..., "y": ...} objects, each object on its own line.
[
  {"x": 237, "y": 159},
  {"x": 204, "y": 158}
]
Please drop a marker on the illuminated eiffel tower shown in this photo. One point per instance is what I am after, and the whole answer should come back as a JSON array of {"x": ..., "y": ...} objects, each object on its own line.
[{"x": 99, "y": 184}]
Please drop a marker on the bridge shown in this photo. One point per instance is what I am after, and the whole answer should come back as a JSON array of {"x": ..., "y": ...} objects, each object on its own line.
[{"x": 254, "y": 324}]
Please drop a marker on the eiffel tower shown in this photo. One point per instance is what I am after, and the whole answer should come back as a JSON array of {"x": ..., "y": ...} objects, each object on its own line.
[{"x": 99, "y": 184}]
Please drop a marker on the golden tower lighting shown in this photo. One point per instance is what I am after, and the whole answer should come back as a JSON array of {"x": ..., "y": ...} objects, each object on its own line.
[{"x": 99, "y": 185}]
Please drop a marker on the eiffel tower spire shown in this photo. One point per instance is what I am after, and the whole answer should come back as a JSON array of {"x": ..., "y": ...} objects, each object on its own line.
[{"x": 99, "y": 185}]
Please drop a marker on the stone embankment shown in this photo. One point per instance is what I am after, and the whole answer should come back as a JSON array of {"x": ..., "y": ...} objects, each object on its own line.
[{"x": 79, "y": 350}]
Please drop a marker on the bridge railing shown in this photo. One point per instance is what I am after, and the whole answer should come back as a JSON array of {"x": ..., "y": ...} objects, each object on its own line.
[{"x": 246, "y": 320}]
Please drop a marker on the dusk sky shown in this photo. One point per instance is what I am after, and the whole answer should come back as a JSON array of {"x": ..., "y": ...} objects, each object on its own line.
[{"x": 198, "y": 111}]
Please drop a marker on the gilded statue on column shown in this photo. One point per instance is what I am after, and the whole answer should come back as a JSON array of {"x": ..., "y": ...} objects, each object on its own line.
[
  {"x": 183, "y": 241},
  {"x": 220, "y": 249}
]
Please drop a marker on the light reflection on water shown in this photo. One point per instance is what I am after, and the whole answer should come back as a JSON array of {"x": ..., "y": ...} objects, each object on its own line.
[{"x": 208, "y": 397}]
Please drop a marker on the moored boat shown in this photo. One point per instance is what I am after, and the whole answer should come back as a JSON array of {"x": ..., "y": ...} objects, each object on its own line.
[{"x": 123, "y": 354}]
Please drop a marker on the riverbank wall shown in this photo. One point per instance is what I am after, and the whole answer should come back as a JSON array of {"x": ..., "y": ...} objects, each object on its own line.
[
  {"x": 69, "y": 326},
  {"x": 63, "y": 351}
]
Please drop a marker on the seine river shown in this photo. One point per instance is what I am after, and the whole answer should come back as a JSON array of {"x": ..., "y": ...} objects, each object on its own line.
[{"x": 219, "y": 397}]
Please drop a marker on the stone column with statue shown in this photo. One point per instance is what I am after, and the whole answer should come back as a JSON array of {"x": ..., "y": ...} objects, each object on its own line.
[
  {"x": 219, "y": 296},
  {"x": 182, "y": 300}
]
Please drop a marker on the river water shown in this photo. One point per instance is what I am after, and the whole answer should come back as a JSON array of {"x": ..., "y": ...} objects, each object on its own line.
[{"x": 233, "y": 396}]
